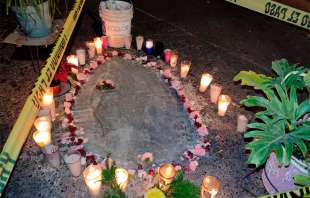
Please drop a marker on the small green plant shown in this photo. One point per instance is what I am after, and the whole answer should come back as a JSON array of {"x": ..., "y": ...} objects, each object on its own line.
[
  {"x": 181, "y": 188},
  {"x": 281, "y": 126}
]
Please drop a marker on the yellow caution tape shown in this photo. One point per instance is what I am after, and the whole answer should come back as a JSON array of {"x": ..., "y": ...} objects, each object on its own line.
[
  {"x": 25, "y": 120},
  {"x": 299, "y": 193},
  {"x": 277, "y": 10}
]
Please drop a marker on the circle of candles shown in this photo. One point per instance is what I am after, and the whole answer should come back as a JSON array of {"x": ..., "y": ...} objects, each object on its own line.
[
  {"x": 149, "y": 44},
  {"x": 210, "y": 186},
  {"x": 73, "y": 160},
  {"x": 91, "y": 49},
  {"x": 81, "y": 55},
  {"x": 43, "y": 123},
  {"x": 174, "y": 59},
  {"x": 42, "y": 138},
  {"x": 73, "y": 59},
  {"x": 139, "y": 42},
  {"x": 167, "y": 53},
  {"x": 223, "y": 103},
  {"x": 205, "y": 82},
  {"x": 167, "y": 173},
  {"x": 48, "y": 102},
  {"x": 185, "y": 65},
  {"x": 98, "y": 45},
  {"x": 242, "y": 123},
  {"x": 121, "y": 176},
  {"x": 92, "y": 177},
  {"x": 215, "y": 91},
  {"x": 128, "y": 41},
  {"x": 104, "y": 40}
]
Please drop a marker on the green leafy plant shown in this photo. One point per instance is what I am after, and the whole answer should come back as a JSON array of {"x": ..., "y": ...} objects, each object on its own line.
[
  {"x": 278, "y": 128},
  {"x": 181, "y": 188}
]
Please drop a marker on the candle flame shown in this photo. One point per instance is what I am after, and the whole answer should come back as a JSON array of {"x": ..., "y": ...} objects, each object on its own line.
[{"x": 73, "y": 59}]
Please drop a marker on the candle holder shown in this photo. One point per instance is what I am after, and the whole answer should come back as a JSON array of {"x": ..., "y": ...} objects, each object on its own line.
[
  {"x": 242, "y": 123},
  {"x": 167, "y": 53},
  {"x": 210, "y": 187},
  {"x": 121, "y": 176},
  {"x": 73, "y": 59},
  {"x": 215, "y": 92},
  {"x": 174, "y": 59},
  {"x": 91, "y": 49},
  {"x": 43, "y": 123},
  {"x": 98, "y": 45},
  {"x": 223, "y": 103},
  {"x": 81, "y": 55},
  {"x": 73, "y": 160},
  {"x": 205, "y": 81},
  {"x": 166, "y": 173},
  {"x": 52, "y": 155},
  {"x": 128, "y": 41},
  {"x": 92, "y": 177},
  {"x": 49, "y": 103},
  {"x": 139, "y": 42},
  {"x": 42, "y": 138},
  {"x": 149, "y": 44},
  {"x": 185, "y": 66},
  {"x": 104, "y": 40}
]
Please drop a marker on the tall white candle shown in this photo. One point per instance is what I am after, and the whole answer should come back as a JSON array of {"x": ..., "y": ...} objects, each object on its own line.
[
  {"x": 223, "y": 103},
  {"x": 205, "y": 82},
  {"x": 91, "y": 49},
  {"x": 139, "y": 42},
  {"x": 174, "y": 59},
  {"x": 49, "y": 103},
  {"x": 185, "y": 66},
  {"x": 73, "y": 160},
  {"x": 81, "y": 55},
  {"x": 128, "y": 41},
  {"x": 242, "y": 123},
  {"x": 98, "y": 45},
  {"x": 92, "y": 177},
  {"x": 215, "y": 92},
  {"x": 121, "y": 176}
]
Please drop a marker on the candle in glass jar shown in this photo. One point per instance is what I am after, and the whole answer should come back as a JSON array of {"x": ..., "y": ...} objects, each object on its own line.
[
  {"x": 98, "y": 45},
  {"x": 149, "y": 44},
  {"x": 139, "y": 42},
  {"x": 167, "y": 173},
  {"x": 73, "y": 59},
  {"x": 49, "y": 103},
  {"x": 121, "y": 176},
  {"x": 167, "y": 53},
  {"x": 185, "y": 65},
  {"x": 81, "y": 55},
  {"x": 205, "y": 82},
  {"x": 223, "y": 103},
  {"x": 73, "y": 161},
  {"x": 91, "y": 49},
  {"x": 104, "y": 40},
  {"x": 242, "y": 123},
  {"x": 215, "y": 91},
  {"x": 210, "y": 187},
  {"x": 92, "y": 177},
  {"x": 43, "y": 123},
  {"x": 174, "y": 59},
  {"x": 128, "y": 41},
  {"x": 42, "y": 138}
]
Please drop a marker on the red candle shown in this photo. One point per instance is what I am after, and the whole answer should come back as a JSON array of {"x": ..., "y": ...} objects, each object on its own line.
[
  {"x": 167, "y": 55},
  {"x": 104, "y": 40}
]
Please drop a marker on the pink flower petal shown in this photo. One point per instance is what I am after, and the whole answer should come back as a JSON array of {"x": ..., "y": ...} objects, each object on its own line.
[
  {"x": 193, "y": 165},
  {"x": 69, "y": 97},
  {"x": 199, "y": 150},
  {"x": 203, "y": 130}
]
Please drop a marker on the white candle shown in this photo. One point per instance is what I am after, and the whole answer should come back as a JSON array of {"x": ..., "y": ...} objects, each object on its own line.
[
  {"x": 185, "y": 66},
  {"x": 92, "y": 177},
  {"x": 73, "y": 160},
  {"x": 223, "y": 103},
  {"x": 81, "y": 55},
  {"x": 73, "y": 59},
  {"x": 205, "y": 82},
  {"x": 98, "y": 45},
  {"x": 242, "y": 123},
  {"x": 139, "y": 42},
  {"x": 49, "y": 103},
  {"x": 174, "y": 59},
  {"x": 149, "y": 43},
  {"x": 121, "y": 176},
  {"x": 43, "y": 123},
  {"x": 128, "y": 41},
  {"x": 91, "y": 49},
  {"x": 42, "y": 138},
  {"x": 215, "y": 92},
  {"x": 52, "y": 155},
  {"x": 210, "y": 187}
]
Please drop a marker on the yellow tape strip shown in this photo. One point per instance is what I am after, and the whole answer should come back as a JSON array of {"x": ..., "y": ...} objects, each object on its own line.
[
  {"x": 299, "y": 193},
  {"x": 277, "y": 10},
  {"x": 25, "y": 120}
]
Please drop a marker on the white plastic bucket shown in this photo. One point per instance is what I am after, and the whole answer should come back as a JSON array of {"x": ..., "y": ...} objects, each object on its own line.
[{"x": 116, "y": 17}]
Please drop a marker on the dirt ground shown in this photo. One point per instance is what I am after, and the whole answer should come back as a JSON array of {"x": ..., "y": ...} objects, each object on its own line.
[{"x": 217, "y": 36}]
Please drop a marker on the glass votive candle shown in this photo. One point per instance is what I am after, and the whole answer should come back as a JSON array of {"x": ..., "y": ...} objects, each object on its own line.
[
  {"x": 215, "y": 92},
  {"x": 167, "y": 173},
  {"x": 43, "y": 123},
  {"x": 174, "y": 59},
  {"x": 167, "y": 53},
  {"x": 223, "y": 103},
  {"x": 149, "y": 44},
  {"x": 98, "y": 45},
  {"x": 139, "y": 42},
  {"x": 81, "y": 55},
  {"x": 73, "y": 59},
  {"x": 122, "y": 177},
  {"x": 205, "y": 81},
  {"x": 48, "y": 102},
  {"x": 42, "y": 138},
  {"x": 91, "y": 49},
  {"x": 185, "y": 66},
  {"x": 73, "y": 161},
  {"x": 93, "y": 178},
  {"x": 210, "y": 187}
]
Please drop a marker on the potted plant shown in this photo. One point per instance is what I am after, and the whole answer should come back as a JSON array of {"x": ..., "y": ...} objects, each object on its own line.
[
  {"x": 280, "y": 135},
  {"x": 34, "y": 16}
]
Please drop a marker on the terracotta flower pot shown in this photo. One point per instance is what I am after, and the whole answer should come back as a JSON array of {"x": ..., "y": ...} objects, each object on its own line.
[{"x": 280, "y": 178}]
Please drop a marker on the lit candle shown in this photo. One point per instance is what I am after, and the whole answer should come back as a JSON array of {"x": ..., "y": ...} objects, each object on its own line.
[
  {"x": 91, "y": 49},
  {"x": 98, "y": 45},
  {"x": 205, "y": 82},
  {"x": 167, "y": 173},
  {"x": 174, "y": 59},
  {"x": 92, "y": 177},
  {"x": 139, "y": 42},
  {"x": 121, "y": 176},
  {"x": 149, "y": 44},
  {"x": 73, "y": 59},
  {"x": 42, "y": 138},
  {"x": 43, "y": 123},
  {"x": 210, "y": 187},
  {"x": 49, "y": 103},
  {"x": 104, "y": 40},
  {"x": 128, "y": 41},
  {"x": 223, "y": 103},
  {"x": 81, "y": 55},
  {"x": 242, "y": 123},
  {"x": 73, "y": 160},
  {"x": 215, "y": 91},
  {"x": 167, "y": 53},
  {"x": 185, "y": 65}
]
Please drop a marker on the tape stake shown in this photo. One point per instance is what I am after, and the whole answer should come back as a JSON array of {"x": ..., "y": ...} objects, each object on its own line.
[
  {"x": 25, "y": 120},
  {"x": 277, "y": 10}
]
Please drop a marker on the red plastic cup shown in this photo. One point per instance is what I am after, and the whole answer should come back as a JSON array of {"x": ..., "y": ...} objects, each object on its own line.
[
  {"x": 167, "y": 53},
  {"x": 104, "y": 40}
]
